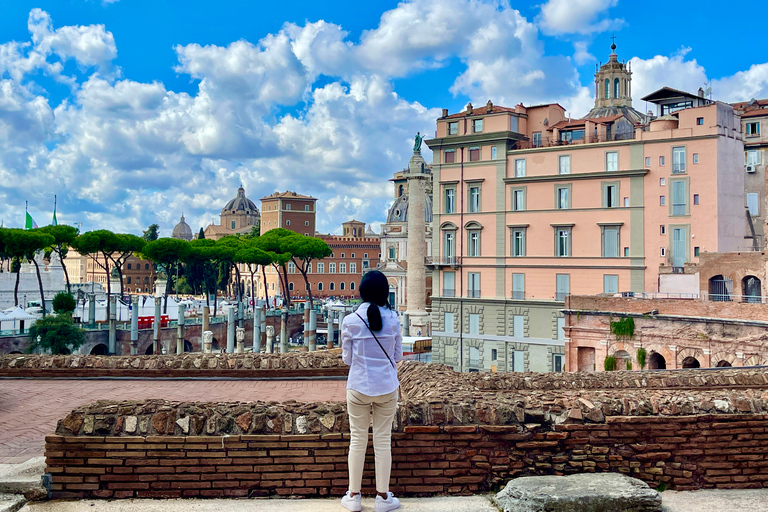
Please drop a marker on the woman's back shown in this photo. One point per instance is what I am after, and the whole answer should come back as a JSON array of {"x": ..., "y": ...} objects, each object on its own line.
[{"x": 371, "y": 371}]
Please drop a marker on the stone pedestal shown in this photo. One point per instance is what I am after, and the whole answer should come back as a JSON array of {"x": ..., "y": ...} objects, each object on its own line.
[{"x": 270, "y": 339}]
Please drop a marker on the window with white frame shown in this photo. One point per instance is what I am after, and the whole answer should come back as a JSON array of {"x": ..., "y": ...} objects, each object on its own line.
[
  {"x": 678, "y": 160},
  {"x": 320, "y": 267},
  {"x": 662, "y": 161},
  {"x": 332, "y": 268},
  {"x": 753, "y": 128},
  {"x": 647, "y": 161},
  {"x": 473, "y": 248},
  {"x": 564, "y": 164},
  {"x": 449, "y": 284},
  {"x": 518, "y": 199},
  {"x": 518, "y": 242},
  {"x": 450, "y": 200},
  {"x": 291, "y": 267},
  {"x": 612, "y": 161},
  {"x": 610, "y": 283},
  {"x": 536, "y": 140},
  {"x": 753, "y": 157},
  {"x": 520, "y": 168},
  {"x": 610, "y": 195},
  {"x": 563, "y": 198},
  {"x": 453, "y": 128},
  {"x": 562, "y": 242},
  {"x": 493, "y": 153},
  {"x": 353, "y": 268},
  {"x": 474, "y": 198},
  {"x": 342, "y": 268},
  {"x": 695, "y": 158},
  {"x": 473, "y": 284},
  {"x": 449, "y": 244}
]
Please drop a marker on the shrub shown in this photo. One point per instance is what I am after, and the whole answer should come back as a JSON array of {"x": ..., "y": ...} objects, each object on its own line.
[
  {"x": 629, "y": 364},
  {"x": 64, "y": 302},
  {"x": 624, "y": 328},
  {"x": 641, "y": 357},
  {"x": 610, "y": 363},
  {"x": 57, "y": 333}
]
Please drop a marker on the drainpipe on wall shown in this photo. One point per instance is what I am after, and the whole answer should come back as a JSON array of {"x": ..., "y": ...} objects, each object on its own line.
[{"x": 461, "y": 252}]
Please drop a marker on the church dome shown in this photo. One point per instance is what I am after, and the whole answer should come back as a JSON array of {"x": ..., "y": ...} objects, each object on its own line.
[
  {"x": 182, "y": 230},
  {"x": 398, "y": 212},
  {"x": 240, "y": 204}
]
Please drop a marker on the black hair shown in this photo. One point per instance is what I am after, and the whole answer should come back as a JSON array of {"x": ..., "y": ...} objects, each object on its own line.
[{"x": 374, "y": 289}]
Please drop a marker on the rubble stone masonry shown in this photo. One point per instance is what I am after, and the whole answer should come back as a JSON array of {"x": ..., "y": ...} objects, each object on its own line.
[{"x": 453, "y": 434}]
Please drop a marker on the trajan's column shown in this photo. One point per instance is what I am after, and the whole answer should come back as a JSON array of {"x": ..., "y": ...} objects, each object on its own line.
[{"x": 416, "y": 290}]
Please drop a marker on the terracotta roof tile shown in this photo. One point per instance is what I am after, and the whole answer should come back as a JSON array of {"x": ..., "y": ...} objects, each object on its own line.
[
  {"x": 758, "y": 112},
  {"x": 481, "y": 111},
  {"x": 289, "y": 194}
]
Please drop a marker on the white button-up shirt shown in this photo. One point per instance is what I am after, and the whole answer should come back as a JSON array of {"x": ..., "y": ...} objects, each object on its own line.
[{"x": 370, "y": 371}]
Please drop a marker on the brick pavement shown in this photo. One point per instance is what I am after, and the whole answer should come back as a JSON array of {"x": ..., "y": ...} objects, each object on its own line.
[{"x": 29, "y": 409}]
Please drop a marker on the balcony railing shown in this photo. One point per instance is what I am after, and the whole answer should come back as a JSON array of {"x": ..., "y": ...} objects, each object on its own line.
[
  {"x": 560, "y": 296},
  {"x": 547, "y": 142},
  {"x": 518, "y": 295},
  {"x": 442, "y": 261},
  {"x": 449, "y": 292},
  {"x": 474, "y": 363},
  {"x": 473, "y": 294}
]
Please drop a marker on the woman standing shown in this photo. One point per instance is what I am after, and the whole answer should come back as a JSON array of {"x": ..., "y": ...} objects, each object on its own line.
[{"x": 371, "y": 345}]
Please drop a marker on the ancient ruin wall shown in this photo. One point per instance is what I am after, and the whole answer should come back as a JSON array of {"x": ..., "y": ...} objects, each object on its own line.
[
  {"x": 454, "y": 434},
  {"x": 192, "y": 364}
]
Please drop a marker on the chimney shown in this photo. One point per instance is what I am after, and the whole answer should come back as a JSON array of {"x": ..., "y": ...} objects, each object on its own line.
[
  {"x": 701, "y": 92},
  {"x": 445, "y": 112},
  {"x": 489, "y": 107},
  {"x": 469, "y": 108}
]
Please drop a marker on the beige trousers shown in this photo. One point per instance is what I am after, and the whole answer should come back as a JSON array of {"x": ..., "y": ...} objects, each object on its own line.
[{"x": 360, "y": 408}]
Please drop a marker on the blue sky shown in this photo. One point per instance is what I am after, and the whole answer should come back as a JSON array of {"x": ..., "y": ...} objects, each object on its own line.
[{"x": 134, "y": 111}]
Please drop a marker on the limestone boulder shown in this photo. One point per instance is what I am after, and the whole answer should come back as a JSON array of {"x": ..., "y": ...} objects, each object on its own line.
[{"x": 589, "y": 492}]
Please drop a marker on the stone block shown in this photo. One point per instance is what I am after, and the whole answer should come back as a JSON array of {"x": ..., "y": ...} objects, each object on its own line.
[{"x": 600, "y": 492}]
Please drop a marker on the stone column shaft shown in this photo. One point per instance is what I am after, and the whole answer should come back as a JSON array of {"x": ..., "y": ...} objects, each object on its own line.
[
  {"x": 230, "y": 329},
  {"x": 180, "y": 330}
]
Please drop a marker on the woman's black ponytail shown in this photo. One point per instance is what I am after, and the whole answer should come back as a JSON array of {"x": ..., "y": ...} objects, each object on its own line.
[{"x": 374, "y": 289}]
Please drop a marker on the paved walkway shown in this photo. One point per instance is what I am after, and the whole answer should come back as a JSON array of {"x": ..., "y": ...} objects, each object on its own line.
[
  {"x": 696, "y": 501},
  {"x": 29, "y": 409}
]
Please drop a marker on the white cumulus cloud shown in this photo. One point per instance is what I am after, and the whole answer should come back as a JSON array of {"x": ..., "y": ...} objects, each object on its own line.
[{"x": 577, "y": 16}]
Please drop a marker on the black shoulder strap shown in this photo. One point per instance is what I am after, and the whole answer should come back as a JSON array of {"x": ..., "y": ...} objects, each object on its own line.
[{"x": 377, "y": 340}]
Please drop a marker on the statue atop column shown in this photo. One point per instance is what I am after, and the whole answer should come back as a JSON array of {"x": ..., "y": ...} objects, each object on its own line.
[{"x": 417, "y": 142}]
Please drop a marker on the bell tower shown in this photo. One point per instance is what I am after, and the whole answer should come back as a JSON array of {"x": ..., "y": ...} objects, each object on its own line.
[{"x": 613, "y": 82}]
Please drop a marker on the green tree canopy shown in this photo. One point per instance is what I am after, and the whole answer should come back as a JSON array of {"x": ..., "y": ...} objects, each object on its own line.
[
  {"x": 168, "y": 253},
  {"x": 57, "y": 333},
  {"x": 303, "y": 250},
  {"x": 23, "y": 244},
  {"x": 63, "y": 237},
  {"x": 105, "y": 248},
  {"x": 253, "y": 257},
  {"x": 64, "y": 302},
  {"x": 275, "y": 242},
  {"x": 152, "y": 233}
]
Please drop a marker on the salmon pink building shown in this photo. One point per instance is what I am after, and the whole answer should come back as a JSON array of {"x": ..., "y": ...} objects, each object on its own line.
[{"x": 531, "y": 206}]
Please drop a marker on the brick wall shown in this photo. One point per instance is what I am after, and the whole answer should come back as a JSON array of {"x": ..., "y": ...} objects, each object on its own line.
[
  {"x": 296, "y": 364},
  {"x": 687, "y": 452},
  {"x": 682, "y": 307}
]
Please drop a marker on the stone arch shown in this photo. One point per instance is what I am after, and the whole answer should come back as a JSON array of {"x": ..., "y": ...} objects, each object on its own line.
[
  {"x": 473, "y": 224},
  {"x": 188, "y": 346},
  {"x": 688, "y": 356},
  {"x": 720, "y": 288},
  {"x": 752, "y": 360},
  {"x": 727, "y": 358},
  {"x": 150, "y": 349},
  {"x": 656, "y": 361},
  {"x": 622, "y": 357},
  {"x": 750, "y": 289},
  {"x": 690, "y": 362},
  {"x": 99, "y": 349}
]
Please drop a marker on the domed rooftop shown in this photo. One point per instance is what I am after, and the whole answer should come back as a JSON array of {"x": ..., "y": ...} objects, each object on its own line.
[
  {"x": 398, "y": 212},
  {"x": 182, "y": 231},
  {"x": 241, "y": 204}
]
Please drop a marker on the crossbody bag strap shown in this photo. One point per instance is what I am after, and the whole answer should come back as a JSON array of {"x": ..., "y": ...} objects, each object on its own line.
[{"x": 377, "y": 340}]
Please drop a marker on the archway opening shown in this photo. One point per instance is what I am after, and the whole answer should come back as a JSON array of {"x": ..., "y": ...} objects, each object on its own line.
[
  {"x": 150, "y": 349},
  {"x": 657, "y": 362},
  {"x": 750, "y": 289},
  {"x": 187, "y": 346},
  {"x": 622, "y": 358},
  {"x": 720, "y": 288},
  {"x": 691, "y": 362},
  {"x": 723, "y": 364},
  {"x": 100, "y": 350}
]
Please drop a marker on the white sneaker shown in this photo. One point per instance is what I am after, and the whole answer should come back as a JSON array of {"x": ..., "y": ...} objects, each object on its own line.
[
  {"x": 385, "y": 505},
  {"x": 353, "y": 503}
]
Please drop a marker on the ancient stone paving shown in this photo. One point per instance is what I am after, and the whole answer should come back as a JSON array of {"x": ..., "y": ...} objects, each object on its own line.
[{"x": 29, "y": 409}]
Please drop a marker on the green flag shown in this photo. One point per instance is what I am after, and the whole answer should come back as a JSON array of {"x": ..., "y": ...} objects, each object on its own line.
[{"x": 31, "y": 224}]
